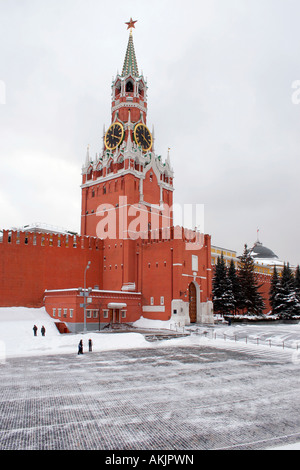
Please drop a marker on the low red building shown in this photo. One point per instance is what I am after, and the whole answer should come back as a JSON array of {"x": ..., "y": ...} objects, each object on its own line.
[{"x": 102, "y": 307}]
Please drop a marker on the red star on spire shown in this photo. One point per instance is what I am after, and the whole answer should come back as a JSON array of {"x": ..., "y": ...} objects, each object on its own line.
[{"x": 131, "y": 23}]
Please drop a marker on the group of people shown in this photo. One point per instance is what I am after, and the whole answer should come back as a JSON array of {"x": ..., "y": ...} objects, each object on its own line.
[
  {"x": 35, "y": 328},
  {"x": 80, "y": 346}
]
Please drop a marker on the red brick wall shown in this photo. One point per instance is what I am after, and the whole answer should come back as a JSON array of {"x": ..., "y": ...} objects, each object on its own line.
[
  {"x": 166, "y": 270},
  {"x": 265, "y": 280},
  {"x": 118, "y": 192},
  {"x": 31, "y": 263},
  {"x": 107, "y": 195}
]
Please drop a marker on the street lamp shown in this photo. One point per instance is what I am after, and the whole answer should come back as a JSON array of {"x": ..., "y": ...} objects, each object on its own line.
[{"x": 84, "y": 294}]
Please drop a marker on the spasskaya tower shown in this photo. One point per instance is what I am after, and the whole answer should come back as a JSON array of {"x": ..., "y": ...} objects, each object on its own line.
[
  {"x": 126, "y": 172},
  {"x": 127, "y": 203}
]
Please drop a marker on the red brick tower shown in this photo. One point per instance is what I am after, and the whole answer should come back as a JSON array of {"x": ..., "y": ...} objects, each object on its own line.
[
  {"x": 127, "y": 171},
  {"x": 126, "y": 189}
]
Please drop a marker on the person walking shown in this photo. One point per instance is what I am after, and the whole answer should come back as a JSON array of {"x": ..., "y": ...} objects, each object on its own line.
[
  {"x": 90, "y": 345},
  {"x": 34, "y": 330},
  {"x": 43, "y": 330},
  {"x": 80, "y": 347}
]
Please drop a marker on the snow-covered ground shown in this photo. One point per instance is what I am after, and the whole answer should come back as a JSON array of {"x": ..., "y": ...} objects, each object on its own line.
[{"x": 17, "y": 338}]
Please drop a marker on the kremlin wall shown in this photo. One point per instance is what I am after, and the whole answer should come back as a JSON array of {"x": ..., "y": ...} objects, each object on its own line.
[
  {"x": 30, "y": 263},
  {"x": 47, "y": 269}
]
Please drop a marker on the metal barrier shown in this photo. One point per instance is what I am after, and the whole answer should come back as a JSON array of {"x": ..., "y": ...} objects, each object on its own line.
[{"x": 253, "y": 340}]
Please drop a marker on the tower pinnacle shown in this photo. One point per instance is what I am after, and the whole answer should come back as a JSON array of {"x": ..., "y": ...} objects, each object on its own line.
[
  {"x": 130, "y": 64},
  {"x": 131, "y": 24}
]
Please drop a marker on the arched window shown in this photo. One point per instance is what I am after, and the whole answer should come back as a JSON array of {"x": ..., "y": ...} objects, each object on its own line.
[
  {"x": 129, "y": 87},
  {"x": 90, "y": 173},
  {"x": 120, "y": 163},
  {"x": 109, "y": 167},
  {"x": 141, "y": 91},
  {"x": 118, "y": 90}
]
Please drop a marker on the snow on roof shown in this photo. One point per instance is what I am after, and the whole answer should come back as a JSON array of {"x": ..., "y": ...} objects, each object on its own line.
[{"x": 43, "y": 228}]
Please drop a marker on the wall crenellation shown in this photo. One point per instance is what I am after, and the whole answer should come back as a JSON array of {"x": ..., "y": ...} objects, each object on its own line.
[
  {"x": 173, "y": 233},
  {"x": 16, "y": 237}
]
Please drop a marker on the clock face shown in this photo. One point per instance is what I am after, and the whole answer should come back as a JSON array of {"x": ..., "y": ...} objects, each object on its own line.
[
  {"x": 143, "y": 137},
  {"x": 114, "y": 136}
]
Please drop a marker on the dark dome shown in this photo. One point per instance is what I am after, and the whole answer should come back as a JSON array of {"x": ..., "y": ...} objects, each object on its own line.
[{"x": 262, "y": 252}]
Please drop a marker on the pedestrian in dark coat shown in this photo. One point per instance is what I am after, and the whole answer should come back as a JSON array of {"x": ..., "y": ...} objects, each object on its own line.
[
  {"x": 90, "y": 345},
  {"x": 80, "y": 347},
  {"x": 43, "y": 330},
  {"x": 34, "y": 330}
]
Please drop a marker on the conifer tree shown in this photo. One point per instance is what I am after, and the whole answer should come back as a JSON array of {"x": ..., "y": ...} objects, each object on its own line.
[
  {"x": 235, "y": 283},
  {"x": 274, "y": 289},
  {"x": 251, "y": 300},
  {"x": 285, "y": 287},
  {"x": 297, "y": 282},
  {"x": 223, "y": 299},
  {"x": 286, "y": 298}
]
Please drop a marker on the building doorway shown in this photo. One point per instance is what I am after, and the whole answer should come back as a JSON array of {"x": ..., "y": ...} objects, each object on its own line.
[
  {"x": 114, "y": 315},
  {"x": 115, "y": 312},
  {"x": 193, "y": 303}
]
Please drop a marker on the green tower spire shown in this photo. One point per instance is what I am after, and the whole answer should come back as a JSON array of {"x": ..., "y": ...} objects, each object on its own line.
[{"x": 130, "y": 64}]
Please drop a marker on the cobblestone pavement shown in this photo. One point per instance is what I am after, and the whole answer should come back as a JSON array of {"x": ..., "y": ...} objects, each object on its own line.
[{"x": 183, "y": 398}]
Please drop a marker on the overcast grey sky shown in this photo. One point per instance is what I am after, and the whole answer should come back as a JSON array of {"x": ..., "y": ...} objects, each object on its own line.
[{"x": 220, "y": 75}]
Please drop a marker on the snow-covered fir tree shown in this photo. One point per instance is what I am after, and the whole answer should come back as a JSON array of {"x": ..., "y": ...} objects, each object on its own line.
[
  {"x": 288, "y": 304},
  {"x": 235, "y": 284},
  {"x": 251, "y": 300},
  {"x": 297, "y": 282},
  {"x": 223, "y": 298},
  {"x": 274, "y": 289}
]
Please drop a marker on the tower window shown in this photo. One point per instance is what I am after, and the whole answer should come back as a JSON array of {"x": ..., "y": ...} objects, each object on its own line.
[
  {"x": 129, "y": 87},
  {"x": 141, "y": 92},
  {"x": 118, "y": 90}
]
